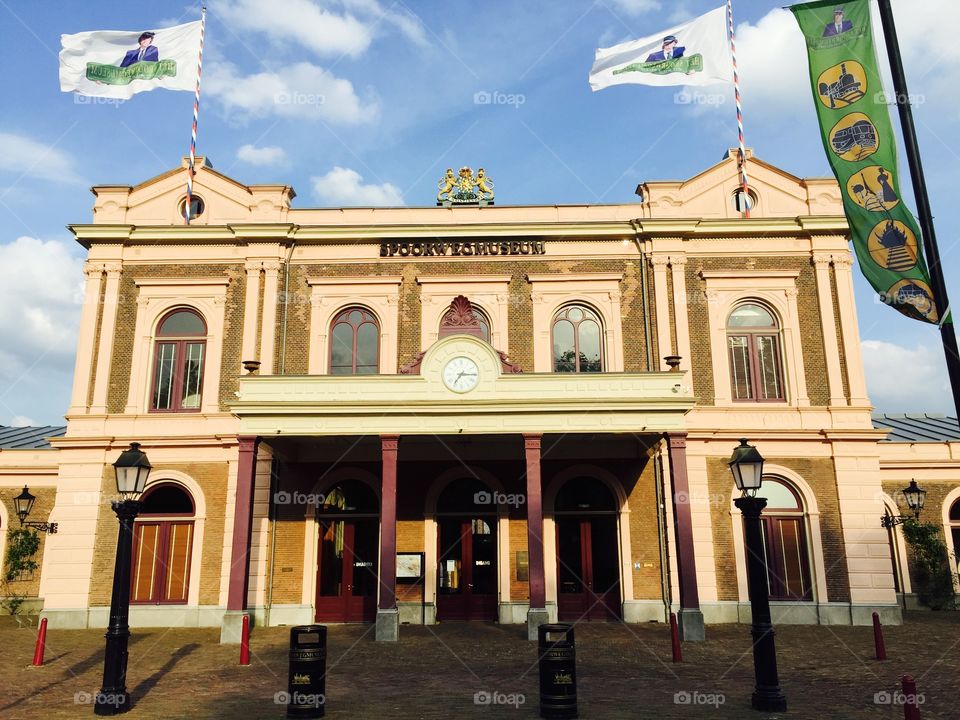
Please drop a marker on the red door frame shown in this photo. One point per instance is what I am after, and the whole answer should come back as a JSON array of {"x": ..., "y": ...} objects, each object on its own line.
[
  {"x": 465, "y": 605},
  {"x": 586, "y": 604},
  {"x": 345, "y": 607}
]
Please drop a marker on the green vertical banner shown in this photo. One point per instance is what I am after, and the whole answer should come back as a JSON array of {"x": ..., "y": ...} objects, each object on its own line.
[{"x": 862, "y": 149}]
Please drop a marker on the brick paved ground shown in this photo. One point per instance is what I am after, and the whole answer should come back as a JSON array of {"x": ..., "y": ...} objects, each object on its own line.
[{"x": 624, "y": 672}]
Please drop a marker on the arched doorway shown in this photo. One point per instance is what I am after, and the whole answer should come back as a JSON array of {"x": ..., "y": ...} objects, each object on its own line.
[
  {"x": 347, "y": 554},
  {"x": 588, "y": 560},
  {"x": 466, "y": 552},
  {"x": 162, "y": 546}
]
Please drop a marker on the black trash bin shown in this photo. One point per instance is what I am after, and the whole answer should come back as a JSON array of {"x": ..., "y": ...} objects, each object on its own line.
[
  {"x": 558, "y": 671},
  {"x": 307, "y": 680}
]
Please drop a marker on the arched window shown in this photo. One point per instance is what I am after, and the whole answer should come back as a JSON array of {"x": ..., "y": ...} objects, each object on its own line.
[
  {"x": 355, "y": 343},
  {"x": 449, "y": 318},
  {"x": 179, "y": 362},
  {"x": 785, "y": 539},
  {"x": 753, "y": 343},
  {"x": 162, "y": 545},
  {"x": 577, "y": 340}
]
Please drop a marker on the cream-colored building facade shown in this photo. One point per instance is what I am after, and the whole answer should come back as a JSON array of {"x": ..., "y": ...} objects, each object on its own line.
[{"x": 501, "y": 413}]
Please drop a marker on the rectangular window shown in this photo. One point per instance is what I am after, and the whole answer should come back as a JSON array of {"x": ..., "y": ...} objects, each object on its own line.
[
  {"x": 192, "y": 373},
  {"x": 768, "y": 367},
  {"x": 164, "y": 376},
  {"x": 739, "y": 346},
  {"x": 145, "y": 555}
]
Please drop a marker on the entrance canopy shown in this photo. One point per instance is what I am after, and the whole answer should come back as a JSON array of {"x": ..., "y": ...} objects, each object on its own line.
[{"x": 433, "y": 402}]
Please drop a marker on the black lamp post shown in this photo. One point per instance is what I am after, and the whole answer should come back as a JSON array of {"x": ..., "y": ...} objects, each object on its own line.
[
  {"x": 915, "y": 497},
  {"x": 23, "y": 503},
  {"x": 132, "y": 469},
  {"x": 746, "y": 464}
]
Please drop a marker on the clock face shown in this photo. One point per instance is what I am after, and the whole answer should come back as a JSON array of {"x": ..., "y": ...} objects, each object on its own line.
[{"x": 461, "y": 374}]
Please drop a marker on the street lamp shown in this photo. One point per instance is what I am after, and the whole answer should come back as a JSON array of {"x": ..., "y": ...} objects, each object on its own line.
[
  {"x": 746, "y": 464},
  {"x": 23, "y": 503},
  {"x": 132, "y": 470},
  {"x": 915, "y": 497}
]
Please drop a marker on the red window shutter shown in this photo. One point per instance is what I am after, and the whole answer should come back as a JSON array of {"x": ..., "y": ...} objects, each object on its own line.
[
  {"x": 146, "y": 542},
  {"x": 176, "y": 578}
]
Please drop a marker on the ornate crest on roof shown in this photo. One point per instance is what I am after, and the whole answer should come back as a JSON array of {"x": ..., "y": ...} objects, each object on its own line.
[{"x": 465, "y": 188}]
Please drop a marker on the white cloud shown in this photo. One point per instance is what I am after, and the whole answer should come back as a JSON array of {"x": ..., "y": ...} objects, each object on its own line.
[
  {"x": 904, "y": 379},
  {"x": 635, "y": 7},
  {"x": 39, "y": 316},
  {"x": 318, "y": 29},
  {"x": 400, "y": 17},
  {"x": 21, "y": 421},
  {"x": 774, "y": 75},
  {"x": 22, "y": 156},
  {"x": 302, "y": 91},
  {"x": 299, "y": 21},
  {"x": 345, "y": 187},
  {"x": 269, "y": 155}
]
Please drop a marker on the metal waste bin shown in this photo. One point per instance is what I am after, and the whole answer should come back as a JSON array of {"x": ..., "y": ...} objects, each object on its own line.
[
  {"x": 558, "y": 671},
  {"x": 307, "y": 679}
]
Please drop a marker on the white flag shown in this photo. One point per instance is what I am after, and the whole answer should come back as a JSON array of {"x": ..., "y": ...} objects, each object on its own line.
[
  {"x": 117, "y": 64},
  {"x": 695, "y": 53}
]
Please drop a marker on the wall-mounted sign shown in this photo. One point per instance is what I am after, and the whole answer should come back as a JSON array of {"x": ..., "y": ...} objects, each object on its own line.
[
  {"x": 410, "y": 565},
  {"x": 460, "y": 248}
]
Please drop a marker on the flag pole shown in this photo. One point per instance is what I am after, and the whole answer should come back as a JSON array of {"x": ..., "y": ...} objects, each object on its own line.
[
  {"x": 935, "y": 268},
  {"x": 191, "y": 171},
  {"x": 742, "y": 159}
]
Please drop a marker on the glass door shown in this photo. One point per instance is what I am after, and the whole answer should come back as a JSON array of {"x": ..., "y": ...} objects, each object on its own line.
[{"x": 467, "y": 568}]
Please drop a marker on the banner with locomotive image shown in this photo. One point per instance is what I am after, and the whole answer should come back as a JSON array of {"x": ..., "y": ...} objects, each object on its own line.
[{"x": 862, "y": 149}]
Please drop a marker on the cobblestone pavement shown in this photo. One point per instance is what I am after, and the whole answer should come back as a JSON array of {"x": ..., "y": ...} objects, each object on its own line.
[{"x": 436, "y": 672}]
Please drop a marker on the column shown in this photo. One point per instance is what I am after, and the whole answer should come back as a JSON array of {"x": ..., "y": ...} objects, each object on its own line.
[
  {"x": 678, "y": 264},
  {"x": 537, "y": 613},
  {"x": 821, "y": 264},
  {"x": 661, "y": 302},
  {"x": 88, "y": 328},
  {"x": 691, "y": 618},
  {"x": 271, "y": 289},
  {"x": 111, "y": 304},
  {"x": 849, "y": 332},
  {"x": 251, "y": 301},
  {"x": 240, "y": 551},
  {"x": 388, "y": 616}
]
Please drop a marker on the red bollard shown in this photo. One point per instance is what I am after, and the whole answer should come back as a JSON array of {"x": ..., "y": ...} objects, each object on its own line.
[
  {"x": 41, "y": 644},
  {"x": 245, "y": 641},
  {"x": 675, "y": 639},
  {"x": 878, "y": 638},
  {"x": 911, "y": 701}
]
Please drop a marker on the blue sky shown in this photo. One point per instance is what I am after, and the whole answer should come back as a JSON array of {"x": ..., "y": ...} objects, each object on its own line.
[{"x": 384, "y": 98}]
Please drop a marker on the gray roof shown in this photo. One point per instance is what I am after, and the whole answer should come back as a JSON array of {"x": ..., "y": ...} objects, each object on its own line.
[
  {"x": 918, "y": 427},
  {"x": 29, "y": 438}
]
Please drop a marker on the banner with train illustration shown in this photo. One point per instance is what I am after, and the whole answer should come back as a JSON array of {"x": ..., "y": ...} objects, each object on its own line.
[{"x": 862, "y": 149}]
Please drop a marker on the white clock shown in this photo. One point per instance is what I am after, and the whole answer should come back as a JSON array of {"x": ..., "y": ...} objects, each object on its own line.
[{"x": 461, "y": 374}]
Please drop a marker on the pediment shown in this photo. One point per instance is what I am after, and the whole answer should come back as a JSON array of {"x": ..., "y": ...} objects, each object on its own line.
[
  {"x": 157, "y": 201},
  {"x": 709, "y": 194}
]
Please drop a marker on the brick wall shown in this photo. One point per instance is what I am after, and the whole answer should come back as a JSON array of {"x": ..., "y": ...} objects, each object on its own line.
[
  {"x": 644, "y": 533},
  {"x": 212, "y": 479},
  {"x": 937, "y": 491},
  {"x": 123, "y": 346},
  {"x": 810, "y": 331},
  {"x": 287, "y": 554},
  {"x": 29, "y": 585},
  {"x": 701, "y": 351},
  {"x": 521, "y": 307},
  {"x": 819, "y": 473}
]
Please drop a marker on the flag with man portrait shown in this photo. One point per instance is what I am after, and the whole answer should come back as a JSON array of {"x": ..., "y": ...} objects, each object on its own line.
[
  {"x": 694, "y": 53},
  {"x": 118, "y": 64}
]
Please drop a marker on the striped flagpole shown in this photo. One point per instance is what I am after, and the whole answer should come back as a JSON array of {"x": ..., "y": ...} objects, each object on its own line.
[
  {"x": 196, "y": 113},
  {"x": 742, "y": 160}
]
